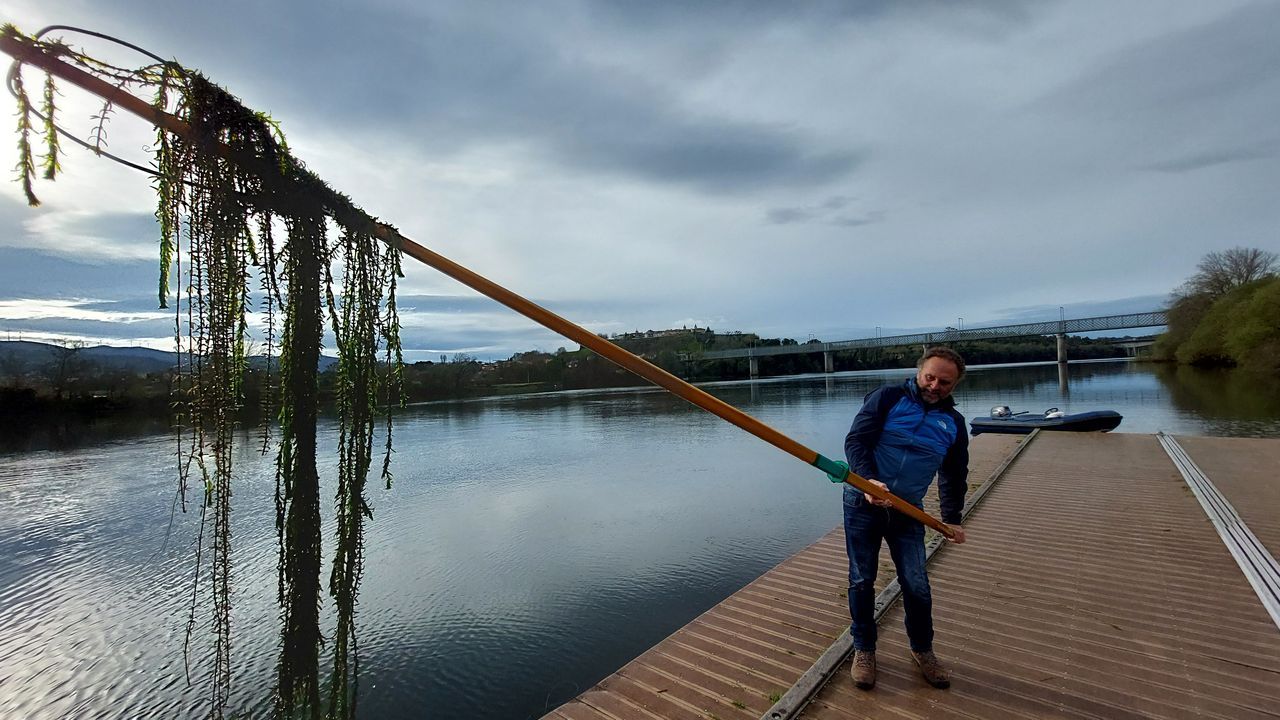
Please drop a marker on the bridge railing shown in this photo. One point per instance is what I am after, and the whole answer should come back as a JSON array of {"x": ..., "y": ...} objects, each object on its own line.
[{"x": 1054, "y": 327}]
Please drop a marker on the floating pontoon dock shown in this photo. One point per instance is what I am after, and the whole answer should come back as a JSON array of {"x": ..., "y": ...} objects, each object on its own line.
[{"x": 1106, "y": 576}]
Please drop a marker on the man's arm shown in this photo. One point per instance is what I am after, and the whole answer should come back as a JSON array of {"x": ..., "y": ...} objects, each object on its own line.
[
  {"x": 860, "y": 442},
  {"x": 953, "y": 476}
]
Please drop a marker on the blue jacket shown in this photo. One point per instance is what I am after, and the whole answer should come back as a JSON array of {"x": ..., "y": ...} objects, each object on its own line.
[{"x": 902, "y": 442}]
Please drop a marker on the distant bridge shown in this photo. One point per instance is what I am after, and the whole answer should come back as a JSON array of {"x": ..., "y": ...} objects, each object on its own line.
[{"x": 1060, "y": 328}]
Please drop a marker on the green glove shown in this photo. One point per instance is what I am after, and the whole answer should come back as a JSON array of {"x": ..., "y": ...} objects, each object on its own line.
[{"x": 844, "y": 469}]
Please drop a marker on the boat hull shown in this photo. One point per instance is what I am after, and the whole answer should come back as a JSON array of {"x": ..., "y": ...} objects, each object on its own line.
[{"x": 1095, "y": 421}]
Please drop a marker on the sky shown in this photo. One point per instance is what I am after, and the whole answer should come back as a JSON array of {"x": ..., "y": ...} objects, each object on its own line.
[{"x": 803, "y": 170}]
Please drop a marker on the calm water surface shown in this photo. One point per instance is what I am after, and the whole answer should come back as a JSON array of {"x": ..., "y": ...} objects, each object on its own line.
[{"x": 529, "y": 546}]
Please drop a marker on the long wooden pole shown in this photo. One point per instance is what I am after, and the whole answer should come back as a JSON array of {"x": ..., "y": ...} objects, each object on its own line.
[{"x": 25, "y": 50}]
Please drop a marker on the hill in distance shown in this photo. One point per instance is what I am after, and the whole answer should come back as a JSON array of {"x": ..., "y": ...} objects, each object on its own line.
[{"x": 34, "y": 355}]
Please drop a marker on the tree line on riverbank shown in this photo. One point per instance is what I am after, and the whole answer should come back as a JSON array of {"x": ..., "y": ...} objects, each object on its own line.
[
  {"x": 67, "y": 380},
  {"x": 1227, "y": 314}
]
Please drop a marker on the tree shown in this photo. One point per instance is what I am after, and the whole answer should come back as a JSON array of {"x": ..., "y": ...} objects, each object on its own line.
[
  {"x": 12, "y": 368},
  {"x": 65, "y": 366},
  {"x": 227, "y": 185},
  {"x": 1184, "y": 316},
  {"x": 1221, "y": 272}
]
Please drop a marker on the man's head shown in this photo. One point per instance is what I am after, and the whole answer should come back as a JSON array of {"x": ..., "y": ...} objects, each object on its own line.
[{"x": 938, "y": 371}]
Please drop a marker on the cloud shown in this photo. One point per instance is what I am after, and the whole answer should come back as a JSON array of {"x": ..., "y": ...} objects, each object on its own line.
[
  {"x": 874, "y": 216},
  {"x": 1211, "y": 158},
  {"x": 94, "y": 310},
  {"x": 467, "y": 76},
  {"x": 90, "y": 237},
  {"x": 827, "y": 212},
  {"x": 134, "y": 321},
  {"x": 1185, "y": 99},
  {"x": 31, "y": 273},
  {"x": 98, "y": 328},
  {"x": 788, "y": 215},
  {"x": 746, "y": 14},
  {"x": 54, "y": 337}
]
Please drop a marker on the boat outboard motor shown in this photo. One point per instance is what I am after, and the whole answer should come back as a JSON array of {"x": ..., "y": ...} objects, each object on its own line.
[{"x": 1001, "y": 411}]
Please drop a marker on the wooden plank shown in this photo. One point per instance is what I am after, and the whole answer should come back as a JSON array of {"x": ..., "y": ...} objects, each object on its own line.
[
  {"x": 1245, "y": 470},
  {"x": 1089, "y": 589},
  {"x": 1091, "y": 586},
  {"x": 1252, "y": 556}
]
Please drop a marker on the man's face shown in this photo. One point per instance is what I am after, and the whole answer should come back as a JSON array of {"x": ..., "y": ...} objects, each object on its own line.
[{"x": 936, "y": 379}]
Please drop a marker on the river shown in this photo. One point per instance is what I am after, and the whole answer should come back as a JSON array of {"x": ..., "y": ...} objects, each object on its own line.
[{"x": 528, "y": 547}]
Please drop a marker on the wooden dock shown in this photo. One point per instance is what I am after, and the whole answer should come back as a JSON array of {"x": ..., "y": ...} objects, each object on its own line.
[{"x": 1093, "y": 585}]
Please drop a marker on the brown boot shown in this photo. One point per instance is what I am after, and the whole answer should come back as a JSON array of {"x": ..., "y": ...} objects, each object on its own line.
[
  {"x": 932, "y": 669},
  {"x": 864, "y": 669}
]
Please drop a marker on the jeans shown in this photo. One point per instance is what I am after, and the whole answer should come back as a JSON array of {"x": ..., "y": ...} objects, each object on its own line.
[{"x": 864, "y": 527}]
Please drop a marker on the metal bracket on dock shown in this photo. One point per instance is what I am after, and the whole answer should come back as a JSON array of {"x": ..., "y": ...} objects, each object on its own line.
[
  {"x": 798, "y": 696},
  {"x": 1258, "y": 565}
]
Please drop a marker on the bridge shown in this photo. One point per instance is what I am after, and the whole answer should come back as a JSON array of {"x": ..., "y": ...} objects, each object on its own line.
[{"x": 1060, "y": 328}]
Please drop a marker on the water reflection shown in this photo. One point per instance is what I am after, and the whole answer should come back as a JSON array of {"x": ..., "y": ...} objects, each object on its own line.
[
  {"x": 1230, "y": 402},
  {"x": 68, "y": 432}
]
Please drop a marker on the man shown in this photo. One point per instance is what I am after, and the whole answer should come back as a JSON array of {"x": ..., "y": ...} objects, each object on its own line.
[{"x": 901, "y": 437}]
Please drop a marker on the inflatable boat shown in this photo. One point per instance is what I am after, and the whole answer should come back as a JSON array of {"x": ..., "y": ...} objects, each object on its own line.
[{"x": 1022, "y": 423}]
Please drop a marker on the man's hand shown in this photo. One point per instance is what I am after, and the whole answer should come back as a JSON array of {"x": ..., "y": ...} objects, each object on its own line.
[
  {"x": 875, "y": 500},
  {"x": 959, "y": 534}
]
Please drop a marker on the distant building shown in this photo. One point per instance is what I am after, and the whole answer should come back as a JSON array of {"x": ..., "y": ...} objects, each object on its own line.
[{"x": 697, "y": 332}]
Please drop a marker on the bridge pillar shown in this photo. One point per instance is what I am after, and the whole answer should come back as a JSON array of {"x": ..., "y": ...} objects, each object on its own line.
[
  {"x": 754, "y": 365},
  {"x": 828, "y": 362},
  {"x": 1062, "y": 347}
]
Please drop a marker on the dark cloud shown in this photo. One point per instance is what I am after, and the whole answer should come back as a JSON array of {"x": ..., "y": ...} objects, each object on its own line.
[
  {"x": 1200, "y": 161},
  {"x": 139, "y": 228},
  {"x": 788, "y": 215},
  {"x": 157, "y": 328},
  {"x": 870, "y": 218},
  {"x": 1189, "y": 99},
  {"x": 103, "y": 238},
  {"x": 716, "y": 157},
  {"x": 739, "y": 14},
  {"x": 462, "y": 80},
  {"x": 827, "y": 212},
  {"x": 26, "y": 273},
  {"x": 1203, "y": 65}
]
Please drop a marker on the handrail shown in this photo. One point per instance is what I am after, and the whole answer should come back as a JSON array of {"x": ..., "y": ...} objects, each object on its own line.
[{"x": 1151, "y": 318}]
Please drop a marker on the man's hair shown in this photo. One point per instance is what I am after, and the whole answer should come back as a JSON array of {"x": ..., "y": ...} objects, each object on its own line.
[{"x": 945, "y": 353}]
